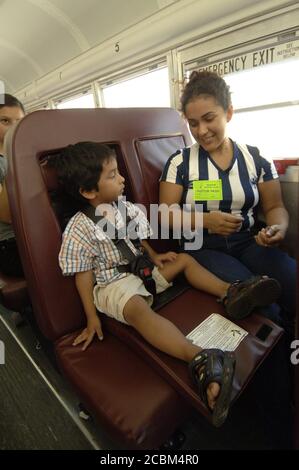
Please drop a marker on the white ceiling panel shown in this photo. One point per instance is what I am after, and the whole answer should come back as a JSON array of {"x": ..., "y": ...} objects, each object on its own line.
[
  {"x": 102, "y": 19},
  {"x": 38, "y": 36}
]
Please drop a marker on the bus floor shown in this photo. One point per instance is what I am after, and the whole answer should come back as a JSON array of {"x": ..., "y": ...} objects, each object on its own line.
[{"x": 37, "y": 406}]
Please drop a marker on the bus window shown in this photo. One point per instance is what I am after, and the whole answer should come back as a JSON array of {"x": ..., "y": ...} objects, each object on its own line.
[
  {"x": 148, "y": 90},
  {"x": 268, "y": 84},
  {"x": 274, "y": 130},
  {"x": 83, "y": 101},
  {"x": 266, "y": 104}
]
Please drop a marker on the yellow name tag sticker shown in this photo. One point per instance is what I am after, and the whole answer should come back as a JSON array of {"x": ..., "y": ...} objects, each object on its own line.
[{"x": 207, "y": 190}]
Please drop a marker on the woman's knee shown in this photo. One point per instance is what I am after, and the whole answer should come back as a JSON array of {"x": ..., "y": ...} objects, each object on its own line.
[{"x": 222, "y": 265}]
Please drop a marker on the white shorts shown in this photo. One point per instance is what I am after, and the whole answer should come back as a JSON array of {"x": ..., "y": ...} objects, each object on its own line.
[{"x": 112, "y": 298}]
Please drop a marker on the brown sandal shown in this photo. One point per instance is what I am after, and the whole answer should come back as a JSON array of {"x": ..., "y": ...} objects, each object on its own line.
[{"x": 244, "y": 296}]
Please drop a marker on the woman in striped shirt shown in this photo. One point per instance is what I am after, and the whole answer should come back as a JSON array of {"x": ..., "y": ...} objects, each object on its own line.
[{"x": 229, "y": 180}]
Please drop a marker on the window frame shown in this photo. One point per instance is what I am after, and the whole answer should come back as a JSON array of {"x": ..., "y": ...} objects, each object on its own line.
[
  {"x": 135, "y": 71},
  {"x": 74, "y": 94}
]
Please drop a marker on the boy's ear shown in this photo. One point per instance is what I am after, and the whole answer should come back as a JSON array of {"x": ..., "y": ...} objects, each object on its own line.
[{"x": 87, "y": 194}]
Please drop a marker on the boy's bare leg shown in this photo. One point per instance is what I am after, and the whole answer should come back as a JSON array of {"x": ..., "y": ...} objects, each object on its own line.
[
  {"x": 164, "y": 335},
  {"x": 198, "y": 276}
]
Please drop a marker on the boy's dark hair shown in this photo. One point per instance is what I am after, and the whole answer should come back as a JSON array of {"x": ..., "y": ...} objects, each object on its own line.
[
  {"x": 79, "y": 167},
  {"x": 10, "y": 101},
  {"x": 206, "y": 83}
]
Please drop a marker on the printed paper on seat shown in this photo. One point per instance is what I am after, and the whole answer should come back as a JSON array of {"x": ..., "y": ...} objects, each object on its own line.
[{"x": 217, "y": 331}]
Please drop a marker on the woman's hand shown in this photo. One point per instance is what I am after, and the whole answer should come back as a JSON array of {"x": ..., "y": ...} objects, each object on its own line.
[
  {"x": 93, "y": 327},
  {"x": 159, "y": 258},
  {"x": 223, "y": 223},
  {"x": 270, "y": 236}
]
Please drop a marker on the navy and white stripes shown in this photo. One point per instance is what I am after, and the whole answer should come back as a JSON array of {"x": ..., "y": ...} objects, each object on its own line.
[{"x": 239, "y": 181}]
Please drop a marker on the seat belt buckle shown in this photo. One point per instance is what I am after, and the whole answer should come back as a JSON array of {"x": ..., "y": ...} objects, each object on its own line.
[{"x": 147, "y": 272}]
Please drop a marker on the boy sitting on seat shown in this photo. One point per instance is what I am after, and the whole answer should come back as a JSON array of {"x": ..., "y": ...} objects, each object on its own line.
[{"x": 88, "y": 173}]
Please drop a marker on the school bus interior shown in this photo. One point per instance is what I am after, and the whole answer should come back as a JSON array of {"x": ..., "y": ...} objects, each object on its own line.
[
  {"x": 114, "y": 74},
  {"x": 164, "y": 388}
]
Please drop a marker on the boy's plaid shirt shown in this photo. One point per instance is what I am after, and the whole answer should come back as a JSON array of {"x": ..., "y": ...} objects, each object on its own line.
[{"x": 86, "y": 247}]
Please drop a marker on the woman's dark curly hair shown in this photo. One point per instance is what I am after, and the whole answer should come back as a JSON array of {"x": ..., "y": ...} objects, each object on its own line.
[{"x": 206, "y": 83}]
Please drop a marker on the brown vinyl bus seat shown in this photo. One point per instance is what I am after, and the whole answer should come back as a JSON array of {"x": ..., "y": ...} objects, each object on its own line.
[
  {"x": 135, "y": 406},
  {"x": 143, "y": 140}
]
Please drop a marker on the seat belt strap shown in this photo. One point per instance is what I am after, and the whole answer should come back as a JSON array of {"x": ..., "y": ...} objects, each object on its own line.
[
  {"x": 119, "y": 240},
  {"x": 138, "y": 261}
]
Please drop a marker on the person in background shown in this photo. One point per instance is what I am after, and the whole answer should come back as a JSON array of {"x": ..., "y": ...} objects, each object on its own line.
[{"x": 11, "y": 111}]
